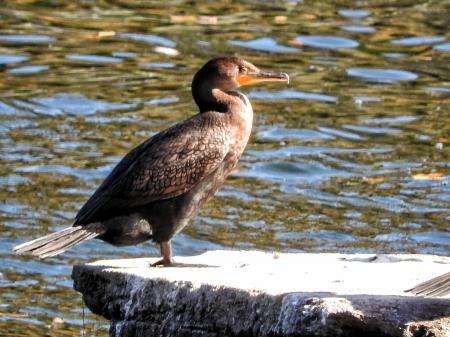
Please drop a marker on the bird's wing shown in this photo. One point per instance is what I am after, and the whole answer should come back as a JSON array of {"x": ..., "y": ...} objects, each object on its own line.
[{"x": 165, "y": 166}]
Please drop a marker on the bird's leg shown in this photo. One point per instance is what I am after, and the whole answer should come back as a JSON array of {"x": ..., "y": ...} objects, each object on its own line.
[{"x": 166, "y": 253}]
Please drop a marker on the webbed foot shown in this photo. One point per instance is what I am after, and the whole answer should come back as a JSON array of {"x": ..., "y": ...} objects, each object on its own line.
[
  {"x": 164, "y": 263},
  {"x": 166, "y": 253}
]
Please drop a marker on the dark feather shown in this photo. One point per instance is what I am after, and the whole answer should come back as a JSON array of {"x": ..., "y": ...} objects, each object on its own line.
[{"x": 165, "y": 166}]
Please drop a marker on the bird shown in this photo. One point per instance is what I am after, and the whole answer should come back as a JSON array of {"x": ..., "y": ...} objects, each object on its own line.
[
  {"x": 435, "y": 287},
  {"x": 155, "y": 189}
]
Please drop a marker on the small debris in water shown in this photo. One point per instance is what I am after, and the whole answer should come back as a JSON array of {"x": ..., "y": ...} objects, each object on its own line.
[
  {"x": 57, "y": 322},
  {"x": 280, "y": 19},
  {"x": 428, "y": 176},
  {"x": 106, "y": 34},
  {"x": 183, "y": 18},
  {"x": 439, "y": 146},
  {"x": 201, "y": 19},
  {"x": 207, "y": 20},
  {"x": 166, "y": 51}
]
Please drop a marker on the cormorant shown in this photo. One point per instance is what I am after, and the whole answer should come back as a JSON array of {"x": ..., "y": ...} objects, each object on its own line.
[{"x": 159, "y": 186}]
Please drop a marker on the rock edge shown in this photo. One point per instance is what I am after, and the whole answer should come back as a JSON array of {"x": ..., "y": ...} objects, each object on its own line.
[{"x": 184, "y": 301}]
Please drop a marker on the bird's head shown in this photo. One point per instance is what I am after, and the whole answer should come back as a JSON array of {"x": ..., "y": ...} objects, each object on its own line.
[{"x": 228, "y": 73}]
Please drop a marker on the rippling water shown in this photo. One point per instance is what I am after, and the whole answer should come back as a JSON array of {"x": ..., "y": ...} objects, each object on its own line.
[{"x": 352, "y": 156}]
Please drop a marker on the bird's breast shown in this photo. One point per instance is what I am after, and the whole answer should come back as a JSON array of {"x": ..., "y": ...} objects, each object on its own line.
[{"x": 241, "y": 121}]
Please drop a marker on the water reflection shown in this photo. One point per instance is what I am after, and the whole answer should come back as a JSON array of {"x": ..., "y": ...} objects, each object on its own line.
[
  {"x": 442, "y": 47},
  {"x": 161, "y": 65},
  {"x": 351, "y": 157},
  {"x": 390, "y": 120},
  {"x": 291, "y": 94},
  {"x": 309, "y": 172},
  {"x": 382, "y": 75},
  {"x": 332, "y": 42},
  {"x": 9, "y": 58},
  {"x": 419, "y": 40},
  {"x": 438, "y": 90},
  {"x": 358, "y": 29},
  {"x": 354, "y": 13},
  {"x": 75, "y": 104},
  {"x": 152, "y": 39},
  {"x": 93, "y": 58},
  {"x": 26, "y": 39},
  {"x": 372, "y": 130},
  {"x": 282, "y": 133},
  {"x": 266, "y": 44},
  {"x": 125, "y": 54},
  {"x": 25, "y": 70}
]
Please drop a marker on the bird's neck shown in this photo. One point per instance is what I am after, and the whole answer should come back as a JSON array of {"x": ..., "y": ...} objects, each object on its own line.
[
  {"x": 209, "y": 98},
  {"x": 234, "y": 104}
]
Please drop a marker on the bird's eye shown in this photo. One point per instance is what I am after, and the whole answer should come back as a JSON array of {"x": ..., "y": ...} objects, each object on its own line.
[{"x": 242, "y": 69}]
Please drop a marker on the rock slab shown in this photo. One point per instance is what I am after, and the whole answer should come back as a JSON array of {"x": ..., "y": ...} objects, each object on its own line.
[{"x": 248, "y": 293}]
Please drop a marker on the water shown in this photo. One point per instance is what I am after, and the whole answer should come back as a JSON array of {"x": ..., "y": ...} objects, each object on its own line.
[
  {"x": 382, "y": 75},
  {"x": 352, "y": 156},
  {"x": 264, "y": 44},
  {"x": 329, "y": 42},
  {"x": 11, "y": 59}
]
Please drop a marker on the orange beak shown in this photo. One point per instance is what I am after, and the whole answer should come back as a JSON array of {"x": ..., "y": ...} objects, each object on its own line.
[{"x": 252, "y": 78}]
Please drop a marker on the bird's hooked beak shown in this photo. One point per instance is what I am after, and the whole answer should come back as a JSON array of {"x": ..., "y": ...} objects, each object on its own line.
[{"x": 256, "y": 77}]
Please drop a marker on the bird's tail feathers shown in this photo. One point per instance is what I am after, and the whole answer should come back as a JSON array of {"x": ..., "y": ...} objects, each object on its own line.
[
  {"x": 58, "y": 242},
  {"x": 437, "y": 286}
]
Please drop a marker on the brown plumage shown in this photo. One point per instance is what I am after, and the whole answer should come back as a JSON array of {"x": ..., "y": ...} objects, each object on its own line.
[
  {"x": 163, "y": 167},
  {"x": 435, "y": 287},
  {"x": 156, "y": 188}
]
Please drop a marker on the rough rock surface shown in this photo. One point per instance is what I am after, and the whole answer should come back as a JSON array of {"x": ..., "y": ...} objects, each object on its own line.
[{"x": 242, "y": 293}]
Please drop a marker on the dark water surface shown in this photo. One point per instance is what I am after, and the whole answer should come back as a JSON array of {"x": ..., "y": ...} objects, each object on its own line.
[{"x": 352, "y": 156}]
